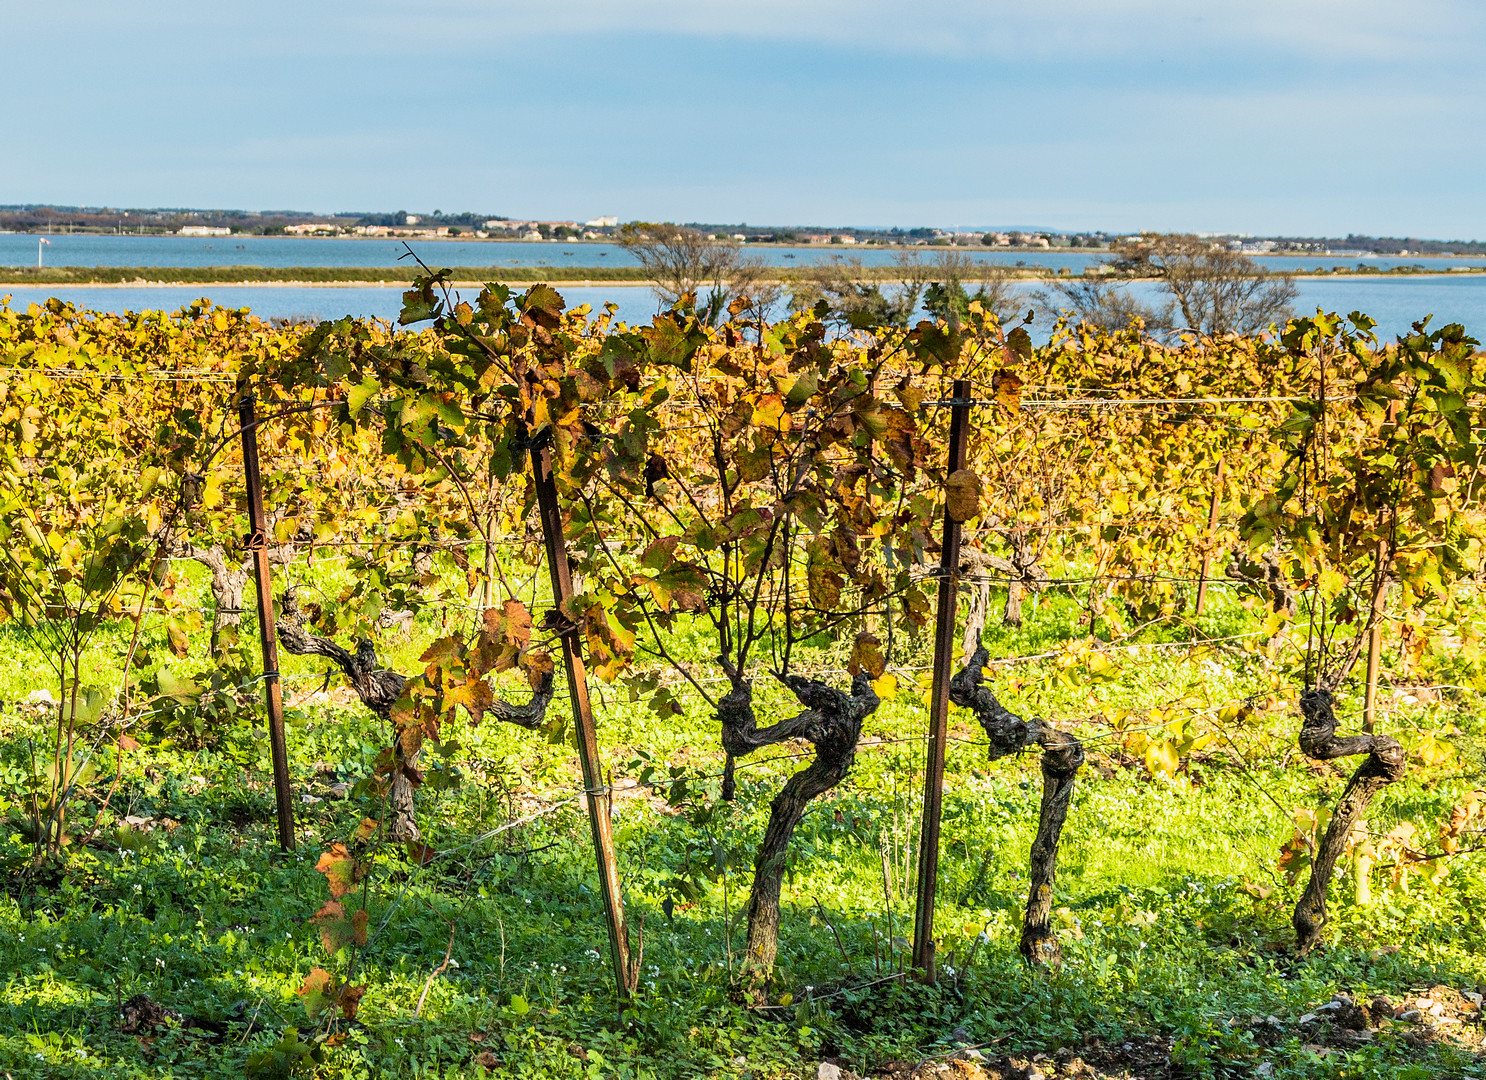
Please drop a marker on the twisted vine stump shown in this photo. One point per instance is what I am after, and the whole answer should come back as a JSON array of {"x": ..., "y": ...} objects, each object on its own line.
[
  {"x": 1384, "y": 765},
  {"x": 832, "y": 724},
  {"x": 1062, "y": 754},
  {"x": 378, "y": 688}
]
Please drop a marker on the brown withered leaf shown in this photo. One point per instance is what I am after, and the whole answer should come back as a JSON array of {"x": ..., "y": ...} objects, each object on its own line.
[
  {"x": 1007, "y": 387},
  {"x": 350, "y": 1000},
  {"x": 537, "y": 665},
  {"x": 866, "y": 655},
  {"x": 656, "y": 469},
  {"x": 518, "y": 623},
  {"x": 962, "y": 495}
]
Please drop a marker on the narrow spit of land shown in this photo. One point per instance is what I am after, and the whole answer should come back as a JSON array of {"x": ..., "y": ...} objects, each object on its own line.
[{"x": 144, "y": 276}]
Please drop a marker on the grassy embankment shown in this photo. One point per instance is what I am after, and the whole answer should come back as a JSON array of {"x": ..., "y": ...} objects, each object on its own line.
[
  {"x": 1174, "y": 968},
  {"x": 22, "y": 276}
]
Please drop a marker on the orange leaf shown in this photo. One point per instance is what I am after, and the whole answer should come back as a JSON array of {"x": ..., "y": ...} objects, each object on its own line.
[{"x": 339, "y": 869}]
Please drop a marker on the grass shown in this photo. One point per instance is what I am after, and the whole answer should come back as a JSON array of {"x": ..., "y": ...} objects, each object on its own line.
[
  {"x": 30, "y": 276},
  {"x": 1173, "y": 968}
]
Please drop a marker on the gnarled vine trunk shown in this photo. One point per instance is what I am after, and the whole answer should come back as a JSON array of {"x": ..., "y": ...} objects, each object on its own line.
[
  {"x": 229, "y": 579},
  {"x": 379, "y": 689},
  {"x": 1062, "y": 754},
  {"x": 1384, "y": 765},
  {"x": 832, "y": 723}
]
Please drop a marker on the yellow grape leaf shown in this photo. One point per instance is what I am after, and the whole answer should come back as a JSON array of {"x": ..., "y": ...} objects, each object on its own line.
[
  {"x": 885, "y": 687},
  {"x": 866, "y": 655},
  {"x": 1161, "y": 757}
]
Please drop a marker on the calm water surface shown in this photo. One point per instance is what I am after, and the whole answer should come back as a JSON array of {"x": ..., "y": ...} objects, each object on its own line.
[
  {"x": 19, "y": 249},
  {"x": 1395, "y": 303}
]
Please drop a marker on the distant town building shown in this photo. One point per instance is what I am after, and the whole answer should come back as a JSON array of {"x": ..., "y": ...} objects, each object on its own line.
[
  {"x": 602, "y": 223},
  {"x": 308, "y": 228},
  {"x": 393, "y": 230},
  {"x": 411, "y": 219},
  {"x": 205, "y": 230}
]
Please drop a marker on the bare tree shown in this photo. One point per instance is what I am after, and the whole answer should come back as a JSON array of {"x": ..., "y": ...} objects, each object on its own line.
[
  {"x": 681, "y": 260},
  {"x": 1218, "y": 291},
  {"x": 1102, "y": 302}
]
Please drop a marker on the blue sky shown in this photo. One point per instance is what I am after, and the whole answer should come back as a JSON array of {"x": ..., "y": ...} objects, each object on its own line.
[{"x": 1296, "y": 116}]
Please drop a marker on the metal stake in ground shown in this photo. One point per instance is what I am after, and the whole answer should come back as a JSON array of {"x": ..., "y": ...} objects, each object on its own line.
[
  {"x": 625, "y": 974},
  {"x": 258, "y": 545},
  {"x": 944, "y": 638}
]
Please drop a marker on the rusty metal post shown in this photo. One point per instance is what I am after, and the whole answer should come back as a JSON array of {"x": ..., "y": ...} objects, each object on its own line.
[
  {"x": 588, "y": 748},
  {"x": 1212, "y": 525},
  {"x": 258, "y": 545},
  {"x": 944, "y": 643}
]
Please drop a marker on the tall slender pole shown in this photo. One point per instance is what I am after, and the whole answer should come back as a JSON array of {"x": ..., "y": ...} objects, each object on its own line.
[
  {"x": 944, "y": 636},
  {"x": 1212, "y": 525},
  {"x": 258, "y": 545},
  {"x": 1375, "y": 637},
  {"x": 588, "y": 747},
  {"x": 1375, "y": 642}
]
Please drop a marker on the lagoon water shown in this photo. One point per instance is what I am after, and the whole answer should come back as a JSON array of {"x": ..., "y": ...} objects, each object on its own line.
[
  {"x": 91, "y": 249},
  {"x": 1395, "y": 302}
]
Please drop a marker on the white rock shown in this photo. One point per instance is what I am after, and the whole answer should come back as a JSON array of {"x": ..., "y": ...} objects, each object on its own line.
[
  {"x": 1330, "y": 1005},
  {"x": 1471, "y": 996},
  {"x": 827, "y": 1071},
  {"x": 308, "y": 799},
  {"x": 1308, "y": 1018},
  {"x": 1266, "y": 1069},
  {"x": 1409, "y": 1016},
  {"x": 40, "y": 697}
]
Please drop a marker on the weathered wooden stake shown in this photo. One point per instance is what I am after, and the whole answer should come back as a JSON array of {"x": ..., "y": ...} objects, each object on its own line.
[
  {"x": 1375, "y": 638},
  {"x": 258, "y": 545},
  {"x": 1375, "y": 644},
  {"x": 1212, "y": 525},
  {"x": 944, "y": 643},
  {"x": 588, "y": 748}
]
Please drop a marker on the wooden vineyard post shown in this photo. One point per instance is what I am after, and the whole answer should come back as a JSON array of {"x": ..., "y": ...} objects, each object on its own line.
[
  {"x": 1375, "y": 637},
  {"x": 1212, "y": 525},
  {"x": 944, "y": 638},
  {"x": 588, "y": 749},
  {"x": 1375, "y": 645},
  {"x": 258, "y": 545}
]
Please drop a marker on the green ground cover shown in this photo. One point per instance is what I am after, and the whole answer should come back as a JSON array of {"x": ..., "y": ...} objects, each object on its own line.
[{"x": 1173, "y": 912}]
